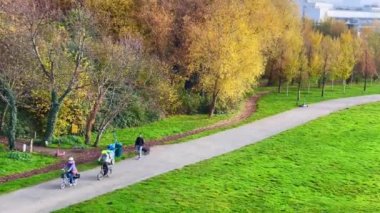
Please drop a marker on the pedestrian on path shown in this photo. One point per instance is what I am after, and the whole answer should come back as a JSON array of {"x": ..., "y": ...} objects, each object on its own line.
[{"x": 139, "y": 144}]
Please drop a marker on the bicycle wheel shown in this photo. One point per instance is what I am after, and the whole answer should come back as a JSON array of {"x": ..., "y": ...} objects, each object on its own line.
[
  {"x": 100, "y": 175},
  {"x": 109, "y": 171},
  {"x": 63, "y": 185}
]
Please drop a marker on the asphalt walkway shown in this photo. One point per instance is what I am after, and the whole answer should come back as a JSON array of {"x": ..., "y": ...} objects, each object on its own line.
[{"x": 47, "y": 196}]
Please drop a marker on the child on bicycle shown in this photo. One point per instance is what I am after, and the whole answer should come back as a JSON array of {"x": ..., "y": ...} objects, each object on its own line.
[{"x": 71, "y": 170}]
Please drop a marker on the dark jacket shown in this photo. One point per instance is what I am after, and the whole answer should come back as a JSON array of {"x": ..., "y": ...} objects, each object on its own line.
[{"x": 139, "y": 141}]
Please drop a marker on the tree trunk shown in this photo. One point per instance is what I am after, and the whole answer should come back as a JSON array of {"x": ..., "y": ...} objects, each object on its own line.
[
  {"x": 100, "y": 133},
  {"x": 92, "y": 116},
  {"x": 332, "y": 84},
  {"x": 308, "y": 87},
  {"x": 98, "y": 137},
  {"x": 3, "y": 115},
  {"x": 52, "y": 116},
  {"x": 352, "y": 78},
  {"x": 299, "y": 92},
  {"x": 365, "y": 82},
  {"x": 344, "y": 86},
  {"x": 323, "y": 85},
  {"x": 214, "y": 98},
  {"x": 279, "y": 84},
  {"x": 287, "y": 88},
  {"x": 271, "y": 79},
  {"x": 212, "y": 106},
  {"x": 13, "y": 118}
]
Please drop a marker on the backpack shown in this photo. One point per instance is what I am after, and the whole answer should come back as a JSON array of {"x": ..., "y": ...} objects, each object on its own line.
[{"x": 105, "y": 158}]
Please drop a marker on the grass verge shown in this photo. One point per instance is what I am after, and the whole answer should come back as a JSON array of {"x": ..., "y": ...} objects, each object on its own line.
[
  {"x": 327, "y": 165},
  {"x": 268, "y": 105},
  {"x": 166, "y": 127},
  {"x": 274, "y": 103},
  {"x": 10, "y": 166},
  {"x": 36, "y": 179}
]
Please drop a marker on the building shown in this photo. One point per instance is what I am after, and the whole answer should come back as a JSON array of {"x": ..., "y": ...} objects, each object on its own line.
[{"x": 356, "y": 13}]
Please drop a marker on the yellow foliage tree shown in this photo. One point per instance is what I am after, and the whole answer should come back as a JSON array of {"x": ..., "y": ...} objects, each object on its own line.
[
  {"x": 114, "y": 16},
  {"x": 226, "y": 52},
  {"x": 312, "y": 45},
  {"x": 345, "y": 60},
  {"x": 328, "y": 54},
  {"x": 73, "y": 110}
]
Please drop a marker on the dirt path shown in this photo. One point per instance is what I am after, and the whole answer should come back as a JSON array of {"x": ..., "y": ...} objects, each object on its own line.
[{"x": 89, "y": 155}]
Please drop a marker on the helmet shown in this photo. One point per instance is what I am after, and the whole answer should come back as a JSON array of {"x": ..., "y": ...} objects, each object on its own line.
[{"x": 71, "y": 159}]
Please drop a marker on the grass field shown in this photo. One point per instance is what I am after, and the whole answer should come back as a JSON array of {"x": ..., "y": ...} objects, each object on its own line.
[
  {"x": 270, "y": 104},
  {"x": 166, "y": 127},
  {"x": 274, "y": 103},
  {"x": 11, "y": 166},
  {"x": 328, "y": 165},
  {"x": 36, "y": 179}
]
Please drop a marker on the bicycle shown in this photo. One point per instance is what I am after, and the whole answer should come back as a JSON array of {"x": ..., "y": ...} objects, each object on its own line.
[
  {"x": 105, "y": 171},
  {"x": 66, "y": 181}
]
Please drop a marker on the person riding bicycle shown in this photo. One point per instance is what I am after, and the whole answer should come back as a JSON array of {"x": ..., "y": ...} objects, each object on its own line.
[
  {"x": 139, "y": 145},
  {"x": 106, "y": 160},
  {"x": 71, "y": 170}
]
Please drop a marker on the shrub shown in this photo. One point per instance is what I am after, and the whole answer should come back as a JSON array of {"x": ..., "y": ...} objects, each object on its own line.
[
  {"x": 21, "y": 156},
  {"x": 136, "y": 114},
  {"x": 67, "y": 140},
  {"x": 191, "y": 102}
]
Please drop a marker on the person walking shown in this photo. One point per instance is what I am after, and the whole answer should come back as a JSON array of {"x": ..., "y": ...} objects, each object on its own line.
[{"x": 139, "y": 144}]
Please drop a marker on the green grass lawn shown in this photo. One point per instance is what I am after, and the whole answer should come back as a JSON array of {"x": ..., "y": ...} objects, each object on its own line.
[
  {"x": 328, "y": 165},
  {"x": 275, "y": 103},
  {"x": 11, "y": 166},
  {"x": 36, "y": 179},
  {"x": 166, "y": 127},
  {"x": 270, "y": 104}
]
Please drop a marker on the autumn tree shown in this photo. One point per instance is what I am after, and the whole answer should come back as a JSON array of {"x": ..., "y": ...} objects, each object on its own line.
[
  {"x": 131, "y": 76},
  {"x": 345, "y": 60},
  {"x": 57, "y": 44},
  {"x": 291, "y": 39},
  {"x": 328, "y": 53},
  {"x": 312, "y": 51},
  {"x": 16, "y": 73},
  {"x": 372, "y": 37},
  {"x": 333, "y": 28},
  {"x": 116, "y": 18},
  {"x": 9, "y": 71},
  {"x": 226, "y": 52},
  {"x": 110, "y": 64},
  {"x": 367, "y": 64}
]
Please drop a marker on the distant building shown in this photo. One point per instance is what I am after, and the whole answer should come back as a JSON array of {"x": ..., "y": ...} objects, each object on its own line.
[{"x": 356, "y": 13}]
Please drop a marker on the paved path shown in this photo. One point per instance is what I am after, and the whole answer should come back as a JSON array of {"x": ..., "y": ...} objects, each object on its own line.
[{"x": 47, "y": 197}]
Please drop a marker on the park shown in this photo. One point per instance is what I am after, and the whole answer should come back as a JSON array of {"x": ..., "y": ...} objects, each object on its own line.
[{"x": 244, "y": 107}]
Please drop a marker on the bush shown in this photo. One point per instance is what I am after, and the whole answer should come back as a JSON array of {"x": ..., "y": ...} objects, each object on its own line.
[
  {"x": 191, "y": 102},
  {"x": 136, "y": 114},
  {"x": 67, "y": 140},
  {"x": 21, "y": 156},
  {"x": 26, "y": 124}
]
